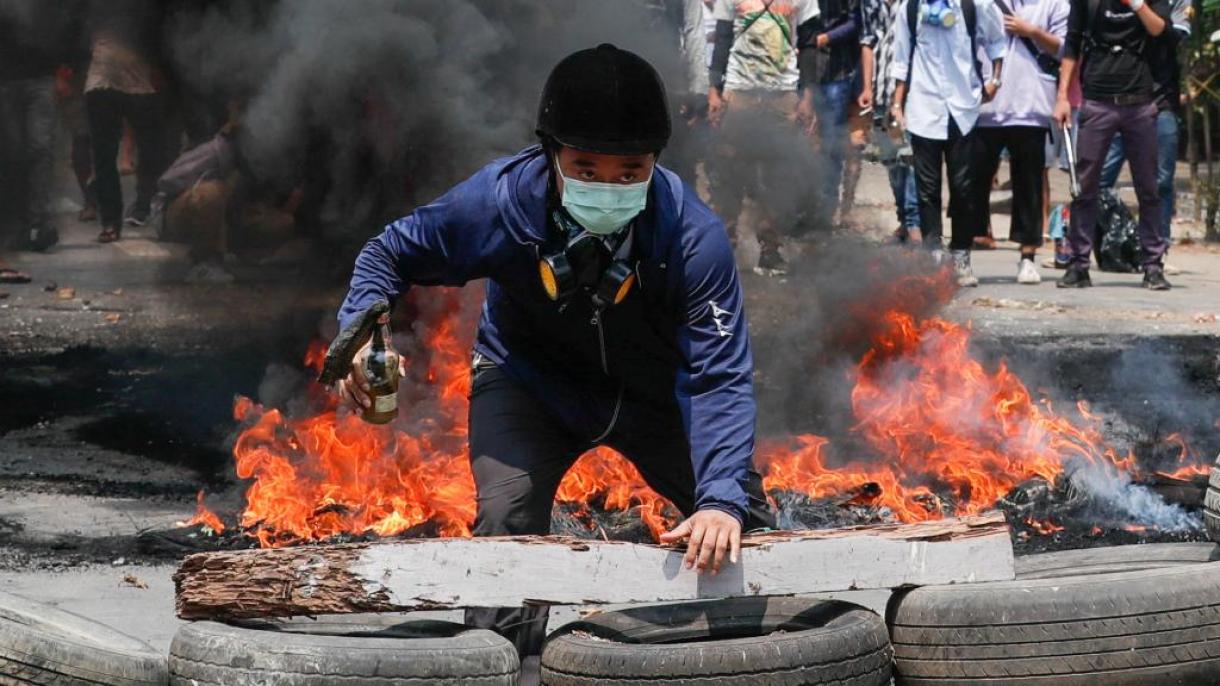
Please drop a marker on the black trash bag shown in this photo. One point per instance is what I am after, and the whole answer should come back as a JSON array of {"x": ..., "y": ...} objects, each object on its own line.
[{"x": 1116, "y": 244}]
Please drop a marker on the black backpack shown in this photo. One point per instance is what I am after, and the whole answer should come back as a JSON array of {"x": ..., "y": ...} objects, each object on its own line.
[
  {"x": 1116, "y": 242},
  {"x": 969, "y": 15}
]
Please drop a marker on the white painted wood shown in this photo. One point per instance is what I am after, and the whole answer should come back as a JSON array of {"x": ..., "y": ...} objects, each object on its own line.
[{"x": 506, "y": 572}]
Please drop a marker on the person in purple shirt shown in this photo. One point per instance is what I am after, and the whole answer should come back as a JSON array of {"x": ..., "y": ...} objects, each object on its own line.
[{"x": 1019, "y": 119}]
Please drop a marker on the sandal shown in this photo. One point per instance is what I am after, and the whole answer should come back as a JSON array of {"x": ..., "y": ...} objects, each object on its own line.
[
  {"x": 109, "y": 234},
  {"x": 13, "y": 276}
]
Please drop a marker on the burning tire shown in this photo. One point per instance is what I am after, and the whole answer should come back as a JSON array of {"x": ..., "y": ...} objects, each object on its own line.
[
  {"x": 727, "y": 642},
  {"x": 377, "y": 652},
  {"x": 1211, "y": 503},
  {"x": 1124, "y": 615},
  {"x": 40, "y": 644}
]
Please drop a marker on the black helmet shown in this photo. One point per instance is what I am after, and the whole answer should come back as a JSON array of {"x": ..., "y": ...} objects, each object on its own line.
[{"x": 605, "y": 100}]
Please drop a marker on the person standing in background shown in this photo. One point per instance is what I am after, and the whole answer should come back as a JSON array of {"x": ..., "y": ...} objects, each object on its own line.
[
  {"x": 120, "y": 87},
  {"x": 935, "y": 47},
  {"x": 1167, "y": 75},
  {"x": 1112, "y": 39},
  {"x": 1019, "y": 120},
  {"x": 835, "y": 55},
  {"x": 753, "y": 97},
  {"x": 876, "y": 96},
  {"x": 36, "y": 39}
]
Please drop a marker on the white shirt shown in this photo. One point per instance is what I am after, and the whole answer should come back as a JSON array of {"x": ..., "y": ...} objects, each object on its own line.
[{"x": 941, "y": 79}]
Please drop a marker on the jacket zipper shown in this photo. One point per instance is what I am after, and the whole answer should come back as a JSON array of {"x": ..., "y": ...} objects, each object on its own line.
[{"x": 618, "y": 403}]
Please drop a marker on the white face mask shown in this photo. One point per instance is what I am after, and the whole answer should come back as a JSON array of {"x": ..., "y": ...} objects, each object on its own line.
[{"x": 603, "y": 208}]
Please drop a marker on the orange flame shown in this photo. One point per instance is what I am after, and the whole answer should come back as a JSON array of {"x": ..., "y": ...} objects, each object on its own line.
[
  {"x": 939, "y": 419},
  {"x": 933, "y": 418},
  {"x": 205, "y": 517},
  {"x": 1189, "y": 465},
  {"x": 1045, "y": 528}
]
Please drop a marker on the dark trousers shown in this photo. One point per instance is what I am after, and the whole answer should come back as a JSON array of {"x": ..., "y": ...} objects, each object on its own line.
[
  {"x": 27, "y": 136},
  {"x": 1026, "y": 160},
  {"x": 957, "y": 153},
  {"x": 1166, "y": 164},
  {"x": 1099, "y": 122},
  {"x": 519, "y": 453},
  {"x": 107, "y": 111}
]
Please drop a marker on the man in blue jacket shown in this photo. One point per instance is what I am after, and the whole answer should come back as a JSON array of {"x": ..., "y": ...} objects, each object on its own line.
[{"x": 613, "y": 314}]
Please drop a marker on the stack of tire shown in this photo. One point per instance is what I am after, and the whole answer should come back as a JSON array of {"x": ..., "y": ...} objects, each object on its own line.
[
  {"x": 739, "y": 641},
  {"x": 1211, "y": 503},
  {"x": 1123, "y": 616}
]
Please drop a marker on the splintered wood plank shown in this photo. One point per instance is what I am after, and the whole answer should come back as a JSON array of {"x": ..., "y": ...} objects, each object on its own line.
[{"x": 550, "y": 570}]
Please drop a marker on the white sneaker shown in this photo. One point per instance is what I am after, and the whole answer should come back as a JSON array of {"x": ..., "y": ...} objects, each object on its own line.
[
  {"x": 963, "y": 270},
  {"x": 1172, "y": 270},
  {"x": 1027, "y": 273}
]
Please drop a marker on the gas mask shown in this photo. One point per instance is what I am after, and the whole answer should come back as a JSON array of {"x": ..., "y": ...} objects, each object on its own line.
[
  {"x": 938, "y": 13},
  {"x": 589, "y": 262}
]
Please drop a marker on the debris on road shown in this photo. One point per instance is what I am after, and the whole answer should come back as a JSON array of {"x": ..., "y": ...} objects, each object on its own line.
[
  {"x": 134, "y": 581},
  {"x": 1009, "y": 303}
]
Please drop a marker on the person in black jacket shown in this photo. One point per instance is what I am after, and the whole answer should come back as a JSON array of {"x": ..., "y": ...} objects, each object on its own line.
[
  {"x": 1167, "y": 73},
  {"x": 1119, "y": 97}
]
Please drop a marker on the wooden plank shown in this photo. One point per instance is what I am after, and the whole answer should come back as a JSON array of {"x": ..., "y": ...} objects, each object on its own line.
[{"x": 545, "y": 570}]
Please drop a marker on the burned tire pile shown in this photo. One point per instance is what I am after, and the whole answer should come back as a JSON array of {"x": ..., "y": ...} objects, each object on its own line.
[
  {"x": 739, "y": 641},
  {"x": 1125, "y": 615}
]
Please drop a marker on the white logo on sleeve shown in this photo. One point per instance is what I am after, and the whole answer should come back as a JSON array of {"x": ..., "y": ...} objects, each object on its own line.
[{"x": 718, "y": 315}]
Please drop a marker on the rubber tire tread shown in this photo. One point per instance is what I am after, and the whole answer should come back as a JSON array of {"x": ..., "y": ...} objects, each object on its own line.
[
  {"x": 309, "y": 653},
  {"x": 1211, "y": 503},
  {"x": 774, "y": 642},
  {"x": 42, "y": 644},
  {"x": 1137, "y": 625}
]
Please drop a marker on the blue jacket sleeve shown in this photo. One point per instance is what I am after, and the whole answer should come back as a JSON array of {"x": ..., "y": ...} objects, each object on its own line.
[
  {"x": 447, "y": 243},
  {"x": 715, "y": 386}
]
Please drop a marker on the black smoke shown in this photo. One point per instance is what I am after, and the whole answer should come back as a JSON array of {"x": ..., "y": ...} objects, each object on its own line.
[{"x": 375, "y": 107}]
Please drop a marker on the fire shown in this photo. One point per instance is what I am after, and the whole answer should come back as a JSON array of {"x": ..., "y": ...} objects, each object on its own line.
[
  {"x": 205, "y": 517},
  {"x": 1045, "y": 528},
  {"x": 332, "y": 474},
  {"x": 932, "y": 419},
  {"x": 1188, "y": 461},
  {"x": 939, "y": 420}
]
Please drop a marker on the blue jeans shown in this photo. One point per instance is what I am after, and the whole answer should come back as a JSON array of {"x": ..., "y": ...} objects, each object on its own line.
[
  {"x": 906, "y": 194},
  {"x": 1166, "y": 164},
  {"x": 832, "y": 103}
]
